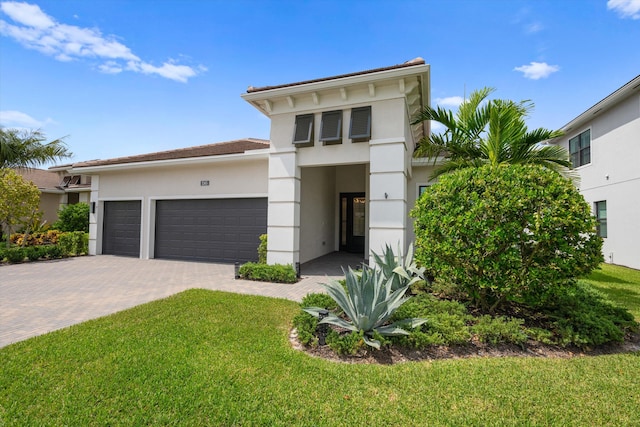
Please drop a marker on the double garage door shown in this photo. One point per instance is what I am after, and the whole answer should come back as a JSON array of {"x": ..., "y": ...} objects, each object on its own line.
[{"x": 215, "y": 230}]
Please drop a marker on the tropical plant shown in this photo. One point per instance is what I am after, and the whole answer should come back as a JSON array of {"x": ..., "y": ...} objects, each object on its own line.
[
  {"x": 488, "y": 132},
  {"x": 505, "y": 234},
  {"x": 25, "y": 149},
  {"x": 402, "y": 271},
  {"x": 368, "y": 302},
  {"x": 19, "y": 201},
  {"x": 73, "y": 218}
]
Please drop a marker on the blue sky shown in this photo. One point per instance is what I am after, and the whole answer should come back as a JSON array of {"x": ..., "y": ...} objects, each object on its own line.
[{"x": 124, "y": 77}]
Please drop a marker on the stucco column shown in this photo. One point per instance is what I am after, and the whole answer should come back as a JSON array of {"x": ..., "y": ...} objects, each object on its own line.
[
  {"x": 387, "y": 195},
  {"x": 283, "y": 221},
  {"x": 93, "y": 216}
]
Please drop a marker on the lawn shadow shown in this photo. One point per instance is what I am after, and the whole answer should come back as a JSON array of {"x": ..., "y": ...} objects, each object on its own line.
[{"x": 600, "y": 276}]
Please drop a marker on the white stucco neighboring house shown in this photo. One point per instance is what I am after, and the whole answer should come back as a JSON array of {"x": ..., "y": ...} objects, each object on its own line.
[
  {"x": 336, "y": 175},
  {"x": 604, "y": 143}
]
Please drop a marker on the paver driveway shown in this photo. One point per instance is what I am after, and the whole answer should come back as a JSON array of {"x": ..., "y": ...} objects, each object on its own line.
[{"x": 39, "y": 297}]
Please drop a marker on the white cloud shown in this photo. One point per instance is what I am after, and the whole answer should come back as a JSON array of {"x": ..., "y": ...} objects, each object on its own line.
[
  {"x": 450, "y": 101},
  {"x": 437, "y": 127},
  {"x": 625, "y": 8},
  {"x": 18, "y": 119},
  {"x": 537, "y": 70},
  {"x": 36, "y": 30},
  {"x": 534, "y": 27}
]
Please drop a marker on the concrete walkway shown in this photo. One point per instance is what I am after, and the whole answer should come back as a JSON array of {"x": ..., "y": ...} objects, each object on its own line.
[{"x": 39, "y": 297}]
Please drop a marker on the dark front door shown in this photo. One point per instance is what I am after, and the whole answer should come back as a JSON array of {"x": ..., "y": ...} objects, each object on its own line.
[{"x": 352, "y": 222}]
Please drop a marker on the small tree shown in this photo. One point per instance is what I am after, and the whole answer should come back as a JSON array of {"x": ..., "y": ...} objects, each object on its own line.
[
  {"x": 505, "y": 233},
  {"x": 73, "y": 218},
  {"x": 19, "y": 201}
]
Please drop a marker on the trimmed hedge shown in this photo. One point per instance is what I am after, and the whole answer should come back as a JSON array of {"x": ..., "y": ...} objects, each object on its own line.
[{"x": 277, "y": 273}]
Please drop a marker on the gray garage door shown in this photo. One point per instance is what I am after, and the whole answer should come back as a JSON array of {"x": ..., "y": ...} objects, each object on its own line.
[
  {"x": 121, "y": 228},
  {"x": 218, "y": 230}
]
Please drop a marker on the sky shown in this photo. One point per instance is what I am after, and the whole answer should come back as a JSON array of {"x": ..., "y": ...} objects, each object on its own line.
[{"x": 125, "y": 77}]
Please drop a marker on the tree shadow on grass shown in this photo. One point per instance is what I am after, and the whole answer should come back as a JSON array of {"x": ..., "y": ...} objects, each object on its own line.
[{"x": 600, "y": 276}]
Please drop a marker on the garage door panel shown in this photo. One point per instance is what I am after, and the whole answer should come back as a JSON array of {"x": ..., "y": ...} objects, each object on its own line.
[
  {"x": 121, "y": 228},
  {"x": 219, "y": 230}
]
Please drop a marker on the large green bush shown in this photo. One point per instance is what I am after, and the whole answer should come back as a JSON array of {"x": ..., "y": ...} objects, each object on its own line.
[
  {"x": 505, "y": 233},
  {"x": 73, "y": 218}
]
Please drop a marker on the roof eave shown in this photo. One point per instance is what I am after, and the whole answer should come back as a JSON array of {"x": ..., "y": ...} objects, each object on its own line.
[
  {"x": 247, "y": 155},
  {"x": 622, "y": 93},
  {"x": 298, "y": 89}
]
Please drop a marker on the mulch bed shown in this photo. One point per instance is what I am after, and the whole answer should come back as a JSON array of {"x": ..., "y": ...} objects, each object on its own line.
[{"x": 390, "y": 356}]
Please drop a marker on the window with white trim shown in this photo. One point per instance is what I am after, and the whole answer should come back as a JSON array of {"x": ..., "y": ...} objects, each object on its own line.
[
  {"x": 580, "y": 149},
  {"x": 601, "y": 218}
]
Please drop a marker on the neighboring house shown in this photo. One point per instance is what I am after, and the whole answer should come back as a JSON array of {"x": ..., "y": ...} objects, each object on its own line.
[
  {"x": 56, "y": 189},
  {"x": 337, "y": 174},
  {"x": 604, "y": 143}
]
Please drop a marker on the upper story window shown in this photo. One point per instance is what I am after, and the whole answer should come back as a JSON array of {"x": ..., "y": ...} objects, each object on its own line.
[
  {"x": 360, "y": 127},
  {"x": 601, "y": 218},
  {"x": 303, "y": 130},
  {"x": 580, "y": 149},
  {"x": 331, "y": 127}
]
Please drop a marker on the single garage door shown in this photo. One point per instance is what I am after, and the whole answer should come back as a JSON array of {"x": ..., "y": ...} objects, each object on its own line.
[
  {"x": 215, "y": 230},
  {"x": 121, "y": 228}
]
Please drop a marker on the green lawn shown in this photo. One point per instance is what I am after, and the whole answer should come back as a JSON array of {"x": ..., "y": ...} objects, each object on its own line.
[
  {"x": 214, "y": 358},
  {"x": 620, "y": 284}
]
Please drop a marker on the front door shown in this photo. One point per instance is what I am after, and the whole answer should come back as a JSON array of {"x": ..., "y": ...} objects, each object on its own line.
[{"x": 352, "y": 222}]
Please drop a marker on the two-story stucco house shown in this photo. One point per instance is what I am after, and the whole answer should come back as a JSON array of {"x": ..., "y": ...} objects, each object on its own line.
[
  {"x": 336, "y": 175},
  {"x": 604, "y": 143}
]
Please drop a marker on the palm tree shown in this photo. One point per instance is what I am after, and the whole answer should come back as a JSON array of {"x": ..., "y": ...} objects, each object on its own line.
[
  {"x": 489, "y": 132},
  {"x": 25, "y": 149}
]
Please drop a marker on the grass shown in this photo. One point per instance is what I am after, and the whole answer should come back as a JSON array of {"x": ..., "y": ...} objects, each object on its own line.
[
  {"x": 214, "y": 358},
  {"x": 620, "y": 284}
]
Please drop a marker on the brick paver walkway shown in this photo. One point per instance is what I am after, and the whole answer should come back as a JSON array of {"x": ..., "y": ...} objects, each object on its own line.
[{"x": 36, "y": 298}]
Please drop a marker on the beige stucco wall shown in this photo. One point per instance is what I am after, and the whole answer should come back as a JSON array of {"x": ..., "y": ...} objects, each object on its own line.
[{"x": 49, "y": 205}]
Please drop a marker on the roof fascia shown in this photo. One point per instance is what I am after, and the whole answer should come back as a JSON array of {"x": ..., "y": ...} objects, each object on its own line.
[
  {"x": 247, "y": 155},
  {"x": 422, "y": 69},
  {"x": 603, "y": 105}
]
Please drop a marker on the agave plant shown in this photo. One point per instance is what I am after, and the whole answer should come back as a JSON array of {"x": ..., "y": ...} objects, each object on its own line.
[
  {"x": 368, "y": 302},
  {"x": 402, "y": 271}
]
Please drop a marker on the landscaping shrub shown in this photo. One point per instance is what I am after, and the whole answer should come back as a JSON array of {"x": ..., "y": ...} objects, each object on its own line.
[
  {"x": 495, "y": 330},
  {"x": 33, "y": 252},
  {"x": 277, "y": 273},
  {"x": 446, "y": 322},
  {"x": 52, "y": 251},
  {"x": 262, "y": 249},
  {"x": 15, "y": 254},
  {"x": 49, "y": 237},
  {"x": 73, "y": 218},
  {"x": 580, "y": 315},
  {"x": 347, "y": 343},
  {"x": 74, "y": 243},
  {"x": 305, "y": 323},
  {"x": 505, "y": 231}
]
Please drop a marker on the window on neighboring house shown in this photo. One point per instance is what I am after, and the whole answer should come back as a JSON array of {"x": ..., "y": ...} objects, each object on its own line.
[
  {"x": 65, "y": 181},
  {"x": 331, "y": 127},
  {"x": 422, "y": 189},
  {"x": 303, "y": 130},
  {"x": 75, "y": 180},
  {"x": 580, "y": 149},
  {"x": 73, "y": 198},
  {"x": 601, "y": 218},
  {"x": 360, "y": 126}
]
